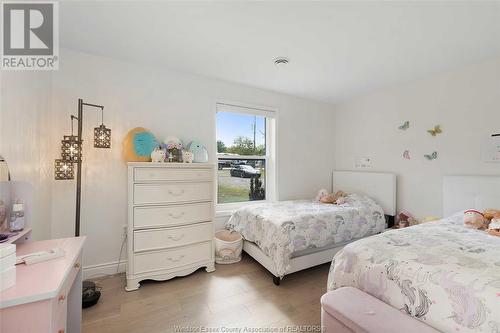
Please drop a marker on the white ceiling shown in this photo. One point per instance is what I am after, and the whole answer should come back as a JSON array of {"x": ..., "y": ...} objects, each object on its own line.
[{"x": 337, "y": 49}]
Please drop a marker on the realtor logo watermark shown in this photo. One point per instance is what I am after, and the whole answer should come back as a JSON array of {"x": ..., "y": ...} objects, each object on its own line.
[{"x": 30, "y": 35}]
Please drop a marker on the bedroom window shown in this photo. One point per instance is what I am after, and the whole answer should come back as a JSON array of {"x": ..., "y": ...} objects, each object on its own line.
[{"x": 245, "y": 155}]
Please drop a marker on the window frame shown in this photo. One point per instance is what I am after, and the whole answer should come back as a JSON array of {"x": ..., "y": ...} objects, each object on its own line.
[{"x": 271, "y": 115}]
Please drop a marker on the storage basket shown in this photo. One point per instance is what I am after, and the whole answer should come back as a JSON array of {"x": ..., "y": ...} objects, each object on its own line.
[{"x": 228, "y": 247}]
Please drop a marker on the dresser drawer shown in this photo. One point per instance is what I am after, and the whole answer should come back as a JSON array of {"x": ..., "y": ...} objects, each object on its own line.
[
  {"x": 154, "y": 217},
  {"x": 172, "y": 192},
  {"x": 156, "y": 239},
  {"x": 172, "y": 174},
  {"x": 172, "y": 258}
]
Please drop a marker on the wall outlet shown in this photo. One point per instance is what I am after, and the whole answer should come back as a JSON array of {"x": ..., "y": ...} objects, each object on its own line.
[{"x": 363, "y": 162}]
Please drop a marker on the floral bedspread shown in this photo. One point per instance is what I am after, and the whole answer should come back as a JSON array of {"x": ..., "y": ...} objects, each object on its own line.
[
  {"x": 441, "y": 273},
  {"x": 282, "y": 228}
]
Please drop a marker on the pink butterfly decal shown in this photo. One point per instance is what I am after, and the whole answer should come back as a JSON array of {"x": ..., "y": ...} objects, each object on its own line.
[{"x": 406, "y": 155}]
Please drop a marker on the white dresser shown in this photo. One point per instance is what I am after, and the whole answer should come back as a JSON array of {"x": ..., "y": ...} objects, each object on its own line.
[{"x": 170, "y": 220}]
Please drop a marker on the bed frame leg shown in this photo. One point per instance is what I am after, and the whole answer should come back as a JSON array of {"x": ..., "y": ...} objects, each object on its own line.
[{"x": 276, "y": 280}]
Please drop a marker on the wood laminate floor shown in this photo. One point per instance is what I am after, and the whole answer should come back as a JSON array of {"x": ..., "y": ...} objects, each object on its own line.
[{"x": 238, "y": 295}]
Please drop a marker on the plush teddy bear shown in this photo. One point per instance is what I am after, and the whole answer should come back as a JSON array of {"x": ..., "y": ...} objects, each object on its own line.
[
  {"x": 329, "y": 199},
  {"x": 475, "y": 220},
  {"x": 337, "y": 198},
  {"x": 490, "y": 214}
]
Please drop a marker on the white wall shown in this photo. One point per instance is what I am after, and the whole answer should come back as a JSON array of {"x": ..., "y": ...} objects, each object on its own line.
[
  {"x": 465, "y": 102},
  {"x": 25, "y": 99},
  {"x": 168, "y": 103}
]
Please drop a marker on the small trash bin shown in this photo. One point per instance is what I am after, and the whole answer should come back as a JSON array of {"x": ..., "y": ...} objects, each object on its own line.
[{"x": 228, "y": 247}]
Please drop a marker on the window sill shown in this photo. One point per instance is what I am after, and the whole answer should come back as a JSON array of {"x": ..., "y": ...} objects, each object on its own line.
[
  {"x": 224, "y": 213},
  {"x": 226, "y": 210}
]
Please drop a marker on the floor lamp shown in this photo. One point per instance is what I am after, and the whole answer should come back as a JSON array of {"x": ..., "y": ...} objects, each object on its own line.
[{"x": 71, "y": 154}]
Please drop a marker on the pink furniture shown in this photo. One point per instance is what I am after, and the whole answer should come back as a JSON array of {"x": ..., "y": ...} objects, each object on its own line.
[
  {"x": 47, "y": 296},
  {"x": 348, "y": 310}
]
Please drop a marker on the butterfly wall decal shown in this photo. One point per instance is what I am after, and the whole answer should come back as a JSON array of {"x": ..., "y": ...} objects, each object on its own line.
[
  {"x": 435, "y": 131},
  {"x": 405, "y": 126},
  {"x": 406, "y": 155},
  {"x": 432, "y": 156}
]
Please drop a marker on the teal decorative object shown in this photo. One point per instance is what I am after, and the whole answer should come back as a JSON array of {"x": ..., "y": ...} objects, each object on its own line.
[
  {"x": 144, "y": 144},
  {"x": 432, "y": 156},
  {"x": 200, "y": 152}
]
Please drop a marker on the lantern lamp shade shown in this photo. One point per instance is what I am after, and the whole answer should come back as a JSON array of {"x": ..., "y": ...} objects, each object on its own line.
[
  {"x": 102, "y": 137},
  {"x": 71, "y": 149},
  {"x": 63, "y": 170}
]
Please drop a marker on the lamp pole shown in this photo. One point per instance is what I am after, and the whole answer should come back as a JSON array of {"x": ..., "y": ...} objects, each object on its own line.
[{"x": 79, "y": 118}]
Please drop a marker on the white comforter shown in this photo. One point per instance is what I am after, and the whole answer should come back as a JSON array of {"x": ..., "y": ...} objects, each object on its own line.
[
  {"x": 440, "y": 272},
  {"x": 285, "y": 227}
]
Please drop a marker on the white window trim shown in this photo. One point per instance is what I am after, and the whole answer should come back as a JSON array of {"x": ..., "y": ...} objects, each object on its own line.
[{"x": 271, "y": 114}]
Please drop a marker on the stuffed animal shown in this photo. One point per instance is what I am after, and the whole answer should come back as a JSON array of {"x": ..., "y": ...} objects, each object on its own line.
[
  {"x": 494, "y": 226},
  {"x": 337, "y": 198},
  {"x": 490, "y": 214},
  {"x": 158, "y": 155},
  {"x": 187, "y": 156},
  {"x": 329, "y": 199},
  {"x": 405, "y": 219},
  {"x": 321, "y": 194},
  {"x": 475, "y": 220}
]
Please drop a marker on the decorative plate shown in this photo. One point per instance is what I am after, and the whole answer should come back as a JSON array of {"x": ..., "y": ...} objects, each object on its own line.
[{"x": 138, "y": 145}]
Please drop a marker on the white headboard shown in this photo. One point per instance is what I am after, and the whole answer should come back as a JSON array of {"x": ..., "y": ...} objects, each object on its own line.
[
  {"x": 379, "y": 186},
  {"x": 464, "y": 192}
]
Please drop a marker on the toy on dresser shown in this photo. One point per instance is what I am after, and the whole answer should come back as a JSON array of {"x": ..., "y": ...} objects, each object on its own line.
[
  {"x": 7, "y": 266},
  {"x": 158, "y": 155}
]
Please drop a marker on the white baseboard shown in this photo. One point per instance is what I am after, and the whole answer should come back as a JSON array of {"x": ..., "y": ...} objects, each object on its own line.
[{"x": 100, "y": 270}]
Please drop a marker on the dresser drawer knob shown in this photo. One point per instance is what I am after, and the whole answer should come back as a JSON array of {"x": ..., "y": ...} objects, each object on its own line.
[
  {"x": 177, "y": 216},
  {"x": 61, "y": 298},
  {"x": 174, "y": 238},
  {"x": 77, "y": 265},
  {"x": 175, "y": 260},
  {"x": 181, "y": 192}
]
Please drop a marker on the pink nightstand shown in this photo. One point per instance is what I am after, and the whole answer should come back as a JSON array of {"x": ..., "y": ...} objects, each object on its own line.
[{"x": 47, "y": 296}]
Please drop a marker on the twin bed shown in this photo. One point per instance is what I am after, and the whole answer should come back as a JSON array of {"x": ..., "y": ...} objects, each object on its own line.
[
  {"x": 439, "y": 272},
  {"x": 289, "y": 236}
]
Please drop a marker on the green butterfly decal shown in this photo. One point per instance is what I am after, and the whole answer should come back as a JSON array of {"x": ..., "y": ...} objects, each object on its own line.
[
  {"x": 432, "y": 156},
  {"x": 435, "y": 131},
  {"x": 405, "y": 126}
]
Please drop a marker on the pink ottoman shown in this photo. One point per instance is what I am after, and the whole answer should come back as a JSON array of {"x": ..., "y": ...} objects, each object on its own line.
[{"x": 348, "y": 310}]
